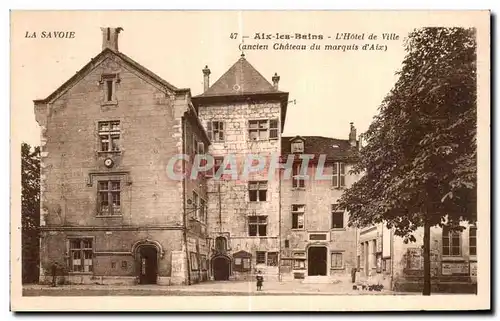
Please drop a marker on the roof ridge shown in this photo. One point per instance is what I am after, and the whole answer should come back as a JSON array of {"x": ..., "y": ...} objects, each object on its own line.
[
  {"x": 241, "y": 78},
  {"x": 88, "y": 65}
]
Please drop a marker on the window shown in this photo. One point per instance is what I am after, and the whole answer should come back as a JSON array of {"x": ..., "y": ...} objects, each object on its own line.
[
  {"x": 272, "y": 258},
  {"x": 337, "y": 217},
  {"x": 451, "y": 242},
  {"x": 109, "y": 198},
  {"x": 242, "y": 261},
  {"x": 109, "y": 136},
  {"x": 215, "y": 130},
  {"x": 221, "y": 244},
  {"x": 194, "y": 145},
  {"x": 257, "y": 191},
  {"x": 472, "y": 240},
  {"x": 297, "y": 179},
  {"x": 337, "y": 262},
  {"x": 109, "y": 81},
  {"x": 196, "y": 205},
  {"x": 217, "y": 164},
  {"x": 298, "y": 216},
  {"x": 338, "y": 176},
  {"x": 261, "y": 257},
  {"x": 81, "y": 253},
  {"x": 299, "y": 264},
  {"x": 200, "y": 148},
  {"x": 273, "y": 129},
  {"x": 257, "y": 225},
  {"x": 287, "y": 244},
  {"x": 263, "y": 129},
  {"x": 202, "y": 210},
  {"x": 298, "y": 146}
]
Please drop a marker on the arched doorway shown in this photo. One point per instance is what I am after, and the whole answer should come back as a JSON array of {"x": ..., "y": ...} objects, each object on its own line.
[
  {"x": 147, "y": 256},
  {"x": 221, "y": 266},
  {"x": 317, "y": 260}
]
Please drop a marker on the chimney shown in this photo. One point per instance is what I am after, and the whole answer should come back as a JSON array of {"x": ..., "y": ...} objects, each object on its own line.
[
  {"x": 352, "y": 135},
  {"x": 110, "y": 38},
  {"x": 206, "y": 78},
  {"x": 276, "y": 80}
]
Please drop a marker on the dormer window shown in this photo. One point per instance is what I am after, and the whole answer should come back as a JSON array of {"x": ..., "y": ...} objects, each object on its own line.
[{"x": 298, "y": 146}]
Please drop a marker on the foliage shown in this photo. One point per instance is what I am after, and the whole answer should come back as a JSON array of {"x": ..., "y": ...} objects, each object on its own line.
[
  {"x": 30, "y": 211},
  {"x": 419, "y": 162},
  {"x": 30, "y": 182}
]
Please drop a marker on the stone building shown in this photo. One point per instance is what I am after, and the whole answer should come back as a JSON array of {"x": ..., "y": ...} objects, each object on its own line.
[
  {"x": 244, "y": 115},
  {"x": 317, "y": 244},
  {"x": 399, "y": 266},
  {"x": 118, "y": 207},
  {"x": 109, "y": 212}
]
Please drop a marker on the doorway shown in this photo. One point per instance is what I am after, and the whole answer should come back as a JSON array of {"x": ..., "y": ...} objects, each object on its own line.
[
  {"x": 148, "y": 264},
  {"x": 317, "y": 260},
  {"x": 221, "y": 268}
]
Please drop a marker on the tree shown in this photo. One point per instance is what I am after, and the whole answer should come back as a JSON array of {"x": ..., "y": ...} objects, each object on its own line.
[
  {"x": 30, "y": 211},
  {"x": 419, "y": 163}
]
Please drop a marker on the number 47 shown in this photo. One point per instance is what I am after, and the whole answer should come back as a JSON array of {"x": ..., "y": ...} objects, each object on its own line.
[{"x": 233, "y": 35}]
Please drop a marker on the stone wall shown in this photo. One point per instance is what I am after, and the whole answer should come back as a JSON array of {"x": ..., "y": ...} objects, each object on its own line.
[{"x": 229, "y": 205}]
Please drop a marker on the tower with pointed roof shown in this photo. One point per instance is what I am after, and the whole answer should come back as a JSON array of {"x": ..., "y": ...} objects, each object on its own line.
[{"x": 243, "y": 114}]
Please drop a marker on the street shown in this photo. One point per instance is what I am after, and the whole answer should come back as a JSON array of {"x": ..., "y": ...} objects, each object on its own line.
[{"x": 240, "y": 288}]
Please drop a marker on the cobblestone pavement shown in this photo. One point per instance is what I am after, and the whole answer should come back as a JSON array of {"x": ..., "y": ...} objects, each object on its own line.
[{"x": 206, "y": 288}]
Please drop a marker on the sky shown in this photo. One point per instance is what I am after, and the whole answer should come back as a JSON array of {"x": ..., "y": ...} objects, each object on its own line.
[{"x": 329, "y": 88}]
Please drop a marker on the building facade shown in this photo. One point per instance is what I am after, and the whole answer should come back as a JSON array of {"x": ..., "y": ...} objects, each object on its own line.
[
  {"x": 244, "y": 116},
  {"x": 109, "y": 213},
  {"x": 385, "y": 257},
  {"x": 317, "y": 244},
  {"x": 119, "y": 206}
]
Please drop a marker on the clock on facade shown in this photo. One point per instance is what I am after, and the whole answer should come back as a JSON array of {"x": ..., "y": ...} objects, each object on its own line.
[{"x": 108, "y": 162}]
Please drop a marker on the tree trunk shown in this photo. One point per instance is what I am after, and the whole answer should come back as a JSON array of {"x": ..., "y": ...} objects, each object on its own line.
[{"x": 427, "y": 258}]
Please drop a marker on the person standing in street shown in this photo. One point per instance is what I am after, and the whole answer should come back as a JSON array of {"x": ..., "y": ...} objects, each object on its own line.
[{"x": 260, "y": 280}]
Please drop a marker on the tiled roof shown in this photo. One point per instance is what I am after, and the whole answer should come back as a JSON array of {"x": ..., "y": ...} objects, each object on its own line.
[
  {"x": 333, "y": 148},
  {"x": 241, "y": 79}
]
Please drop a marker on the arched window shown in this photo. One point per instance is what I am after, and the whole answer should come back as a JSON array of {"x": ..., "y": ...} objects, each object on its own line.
[{"x": 221, "y": 244}]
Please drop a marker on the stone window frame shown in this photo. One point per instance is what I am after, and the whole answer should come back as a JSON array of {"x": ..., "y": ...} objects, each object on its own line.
[
  {"x": 260, "y": 220},
  {"x": 216, "y": 135},
  {"x": 212, "y": 172},
  {"x": 106, "y": 136},
  {"x": 107, "y": 80},
  {"x": 271, "y": 260},
  {"x": 110, "y": 192},
  {"x": 332, "y": 261},
  {"x": 82, "y": 250},
  {"x": 264, "y": 255},
  {"x": 296, "y": 212},
  {"x": 335, "y": 210},
  {"x": 269, "y": 126},
  {"x": 299, "y": 260},
  {"x": 196, "y": 205},
  {"x": 258, "y": 187}
]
